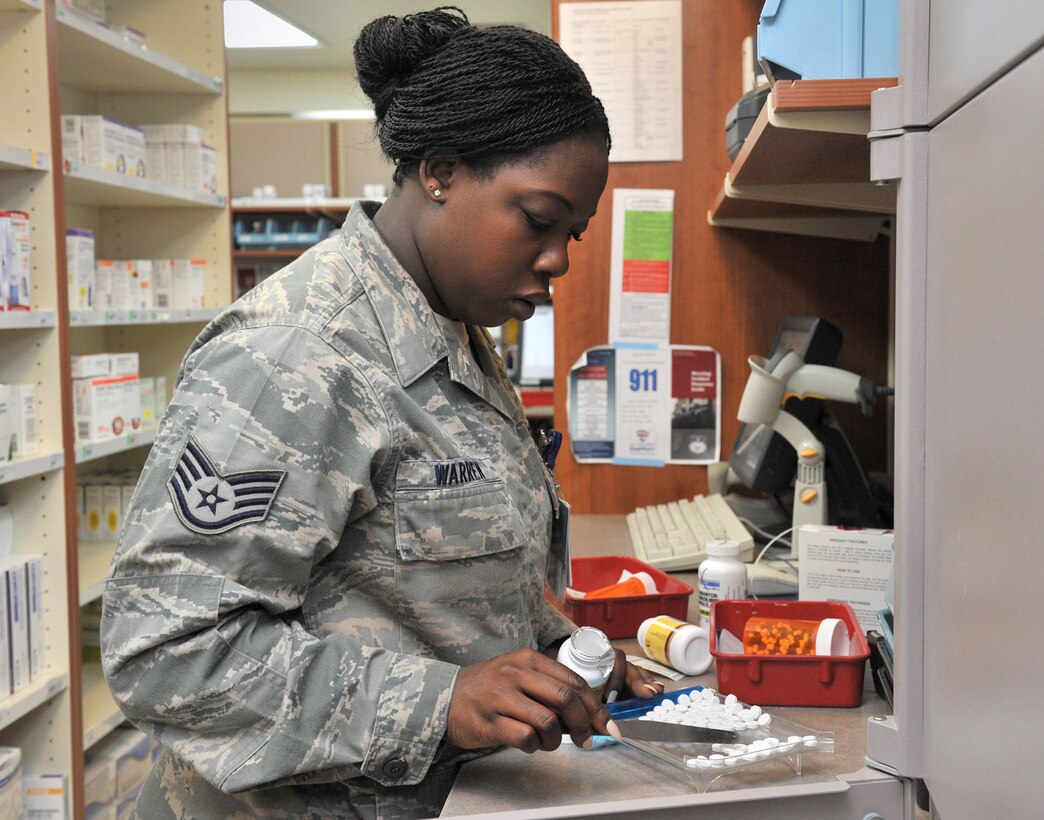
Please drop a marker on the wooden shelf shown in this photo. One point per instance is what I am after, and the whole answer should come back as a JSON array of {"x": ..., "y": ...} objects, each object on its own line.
[
  {"x": 249, "y": 205},
  {"x": 805, "y": 165}
]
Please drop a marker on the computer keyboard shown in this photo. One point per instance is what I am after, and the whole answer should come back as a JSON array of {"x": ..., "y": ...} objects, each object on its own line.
[{"x": 674, "y": 536}]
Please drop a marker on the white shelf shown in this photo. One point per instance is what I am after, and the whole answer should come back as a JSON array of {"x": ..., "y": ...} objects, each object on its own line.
[
  {"x": 37, "y": 693},
  {"x": 94, "y": 560},
  {"x": 95, "y": 318},
  {"x": 23, "y": 159},
  {"x": 100, "y": 713},
  {"x": 94, "y": 58},
  {"x": 87, "y": 451},
  {"x": 22, "y": 319},
  {"x": 88, "y": 185},
  {"x": 34, "y": 465},
  {"x": 292, "y": 203}
]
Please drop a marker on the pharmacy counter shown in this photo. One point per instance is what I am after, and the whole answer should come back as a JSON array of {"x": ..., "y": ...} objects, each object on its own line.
[{"x": 620, "y": 781}]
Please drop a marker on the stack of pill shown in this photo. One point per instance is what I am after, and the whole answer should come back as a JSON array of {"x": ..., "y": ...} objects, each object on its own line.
[
  {"x": 732, "y": 754},
  {"x": 706, "y": 709}
]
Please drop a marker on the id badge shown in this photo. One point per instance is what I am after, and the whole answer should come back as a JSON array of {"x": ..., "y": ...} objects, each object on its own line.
[{"x": 559, "y": 568}]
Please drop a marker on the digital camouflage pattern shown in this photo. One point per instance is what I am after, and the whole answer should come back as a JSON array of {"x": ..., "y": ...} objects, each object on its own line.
[{"x": 343, "y": 505}]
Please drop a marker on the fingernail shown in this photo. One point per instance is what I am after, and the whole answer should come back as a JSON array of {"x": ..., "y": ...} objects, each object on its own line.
[
  {"x": 612, "y": 696},
  {"x": 586, "y": 745},
  {"x": 613, "y": 729},
  {"x": 651, "y": 686}
]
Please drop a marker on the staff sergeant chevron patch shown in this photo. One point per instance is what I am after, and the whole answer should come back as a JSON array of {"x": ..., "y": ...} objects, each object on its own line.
[{"x": 208, "y": 502}]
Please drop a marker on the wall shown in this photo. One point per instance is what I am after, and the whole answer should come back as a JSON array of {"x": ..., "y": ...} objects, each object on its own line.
[{"x": 731, "y": 288}]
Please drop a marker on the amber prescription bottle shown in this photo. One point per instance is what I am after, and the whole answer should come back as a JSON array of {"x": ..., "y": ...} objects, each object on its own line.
[
  {"x": 680, "y": 645},
  {"x": 794, "y": 636}
]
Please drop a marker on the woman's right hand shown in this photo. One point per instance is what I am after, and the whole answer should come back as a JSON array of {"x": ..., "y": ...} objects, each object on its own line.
[{"x": 525, "y": 700}]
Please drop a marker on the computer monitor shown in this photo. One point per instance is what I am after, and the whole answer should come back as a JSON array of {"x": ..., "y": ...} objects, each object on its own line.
[
  {"x": 536, "y": 348},
  {"x": 763, "y": 460}
]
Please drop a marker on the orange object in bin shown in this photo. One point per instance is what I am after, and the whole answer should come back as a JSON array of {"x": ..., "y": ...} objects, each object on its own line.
[
  {"x": 621, "y": 617},
  {"x": 789, "y": 680}
]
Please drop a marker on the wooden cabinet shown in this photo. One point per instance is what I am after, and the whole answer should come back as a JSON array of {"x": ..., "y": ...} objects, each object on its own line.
[{"x": 56, "y": 62}]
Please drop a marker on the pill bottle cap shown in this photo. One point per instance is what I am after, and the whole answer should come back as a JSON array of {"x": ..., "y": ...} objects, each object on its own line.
[
  {"x": 832, "y": 637},
  {"x": 690, "y": 650},
  {"x": 646, "y": 579},
  {"x": 590, "y": 644},
  {"x": 723, "y": 549}
]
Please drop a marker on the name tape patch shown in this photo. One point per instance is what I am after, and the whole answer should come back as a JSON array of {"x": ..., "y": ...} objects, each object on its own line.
[
  {"x": 208, "y": 502},
  {"x": 462, "y": 471}
]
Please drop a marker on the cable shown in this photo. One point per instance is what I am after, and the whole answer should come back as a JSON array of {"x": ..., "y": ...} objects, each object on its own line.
[
  {"x": 764, "y": 549},
  {"x": 756, "y": 530}
]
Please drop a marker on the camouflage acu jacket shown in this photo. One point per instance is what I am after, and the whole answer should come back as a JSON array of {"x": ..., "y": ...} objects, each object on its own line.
[{"x": 341, "y": 508}]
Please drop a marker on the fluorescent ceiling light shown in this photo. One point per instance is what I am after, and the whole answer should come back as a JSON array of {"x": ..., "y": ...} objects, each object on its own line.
[{"x": 247, "y": 25}]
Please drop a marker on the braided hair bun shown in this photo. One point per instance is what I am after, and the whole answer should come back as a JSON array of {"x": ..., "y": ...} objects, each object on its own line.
[{"x": 488, "y": 94}]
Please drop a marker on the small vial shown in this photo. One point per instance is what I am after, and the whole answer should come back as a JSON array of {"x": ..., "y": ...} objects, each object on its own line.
[
  {"x": 677, "y": 644},
  {"x": 722, "y": 576},
  {"x": 794, "y": 636},
  {"x": 589, "y": 653}
]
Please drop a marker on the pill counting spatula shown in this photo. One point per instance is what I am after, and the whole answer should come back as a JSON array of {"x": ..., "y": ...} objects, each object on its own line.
[{"x": 662, "y": 732}]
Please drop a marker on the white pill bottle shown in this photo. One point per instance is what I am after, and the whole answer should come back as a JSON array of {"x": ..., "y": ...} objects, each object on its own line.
[
  {"x": 722, "y": 576},
  {"x": 682, "y": 646},
  {"x": 588, "y": 653}
]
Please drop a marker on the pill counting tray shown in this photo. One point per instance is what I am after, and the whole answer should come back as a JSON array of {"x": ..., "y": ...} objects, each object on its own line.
[{"x": 763, "y": 737}]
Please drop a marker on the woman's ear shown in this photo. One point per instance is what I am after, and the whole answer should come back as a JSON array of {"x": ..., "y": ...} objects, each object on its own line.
[{"x": 436, "y": 175}]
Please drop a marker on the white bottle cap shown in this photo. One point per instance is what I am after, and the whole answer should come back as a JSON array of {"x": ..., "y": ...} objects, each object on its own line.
[
  {"x": 723, "y": 549},
  {"x": 832, "y": 637},
  {"x": 689, "y": 651},
  {"x": 647, "y": 582}
]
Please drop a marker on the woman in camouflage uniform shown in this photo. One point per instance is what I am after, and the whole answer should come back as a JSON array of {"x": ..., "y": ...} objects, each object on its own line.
[{"x": 329, "y": 590}]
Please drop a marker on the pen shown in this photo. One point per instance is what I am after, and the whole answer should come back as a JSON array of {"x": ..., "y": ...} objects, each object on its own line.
[{"x": 552, "y": 441}]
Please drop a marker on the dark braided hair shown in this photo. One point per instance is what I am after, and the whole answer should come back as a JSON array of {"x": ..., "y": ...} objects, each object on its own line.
[{"x": 490, "y": 95}]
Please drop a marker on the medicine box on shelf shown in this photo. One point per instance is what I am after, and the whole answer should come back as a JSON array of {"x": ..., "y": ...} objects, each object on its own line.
[
  {"x": 620, "y": 617},
  {"x": 789, "y": 680}
]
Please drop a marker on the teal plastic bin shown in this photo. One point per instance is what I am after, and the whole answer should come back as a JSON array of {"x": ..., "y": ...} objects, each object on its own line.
[{"x": 829, "y": 39}]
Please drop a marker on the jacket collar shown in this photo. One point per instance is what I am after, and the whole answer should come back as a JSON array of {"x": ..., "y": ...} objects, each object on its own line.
[{"x": 411, "y": 329}]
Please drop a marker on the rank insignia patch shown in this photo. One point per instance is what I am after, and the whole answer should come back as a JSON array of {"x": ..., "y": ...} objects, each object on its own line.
[{"x": 208, "y": 502}]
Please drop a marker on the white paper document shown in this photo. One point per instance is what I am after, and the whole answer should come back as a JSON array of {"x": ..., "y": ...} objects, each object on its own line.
[{"x": 632, "y": 56}]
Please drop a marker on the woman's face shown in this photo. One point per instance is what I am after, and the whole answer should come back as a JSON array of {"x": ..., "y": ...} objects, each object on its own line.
[{"x": 496, "y": 243}]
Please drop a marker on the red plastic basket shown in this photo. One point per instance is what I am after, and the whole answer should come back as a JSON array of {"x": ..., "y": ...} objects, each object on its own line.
[
  {"x": 620, "y": 617},
  {"x": 785, "y": 680}
]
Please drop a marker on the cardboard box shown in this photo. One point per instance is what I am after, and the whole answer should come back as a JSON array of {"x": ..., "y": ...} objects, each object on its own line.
[
  {"x": 14, "y": 579},
  {"x": 103, "y": 274},
  {"x": 156, "y": 160},
  {"x": 92, "y": 502},
  {"x": 163, "y": 284},
  {"x": 142, "y": 299},
  {"x": 119, "y": 297},
  {"x": 72, "y": 138},
  {"x": 199, "y": 167},
  {"x": 46, "y": 797},
  {"x": 137, "y": 159},
  {"x": 112, "y": 510},
  {"x": 10, "y": 782},
  {"x": 17, "y": 261},
  {"x": 6, "y": 424},
  {"x": 91, "y": 365},
  {"x": 149, "y": 417},
  {"x": 35, "y": 610},
  {"x": 190, "y": 277},
  {"x": 79, "y": 254},
  {"x": 106, "y": 407},
  {"x": 25, "y": 434},
  {"x": 130, "y": 749},
  {"x": 103, "y": 144},
  {"x": 847, "y": 565},
  {"x": 124, "y": 364},
  {"x": 162, "y": 396}
]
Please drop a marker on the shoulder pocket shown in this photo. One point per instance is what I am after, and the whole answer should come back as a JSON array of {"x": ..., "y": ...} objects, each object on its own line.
[{"x": 444, "y": 519}]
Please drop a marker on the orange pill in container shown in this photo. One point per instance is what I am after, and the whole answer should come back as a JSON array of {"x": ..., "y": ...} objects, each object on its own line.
[{"x": 794, "y": 636}]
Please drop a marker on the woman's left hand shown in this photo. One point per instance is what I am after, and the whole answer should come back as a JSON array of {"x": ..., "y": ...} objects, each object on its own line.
[{"x": 627, "y": 680}]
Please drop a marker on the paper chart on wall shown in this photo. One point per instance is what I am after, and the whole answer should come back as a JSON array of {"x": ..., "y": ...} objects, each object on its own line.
[
  {"x": 640, "y": 266},
  {"x": 632, "y": 56},
  {"x": 645, "y": 406}
]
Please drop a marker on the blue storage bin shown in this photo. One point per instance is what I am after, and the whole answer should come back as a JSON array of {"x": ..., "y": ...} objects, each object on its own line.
[
  {"x": 250, "y": 231},
  {"x": 829, "y": 39}
]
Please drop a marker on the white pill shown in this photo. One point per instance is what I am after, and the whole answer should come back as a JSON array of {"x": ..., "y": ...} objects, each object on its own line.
[
  {"x": 684, "y": 699},
  {"x": 750, "y": 724},
  {"x": 717, "y": 761},
  {"x": 764, "y": 719},
  {"x": 715, "y": 700},
  {"x": 707, "y": 694},
  {"x": 730, "y": 699},
  {"x": 755, "y": 712},
  {"x": 811, "y": 741},
  {"x": 794, "y": 739},
  {"x": 668, "y": 705},
  {"x": 735, "y": 708},
  {"x": 731, "y": 761},
  {"x": 745, "y": 714},
  {"x": 692, "y": 762},
  {"x": 772, "y": 741}
]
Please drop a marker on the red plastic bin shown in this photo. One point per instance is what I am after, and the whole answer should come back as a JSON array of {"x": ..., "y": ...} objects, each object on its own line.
[
  {"x": 620, "y": 617},
  {"x": 785, "y": 680}
]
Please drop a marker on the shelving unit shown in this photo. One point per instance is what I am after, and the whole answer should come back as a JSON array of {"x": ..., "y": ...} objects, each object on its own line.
[
  {"x": 805, "y": 165},
  {"x": 58, "y": 63}
]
